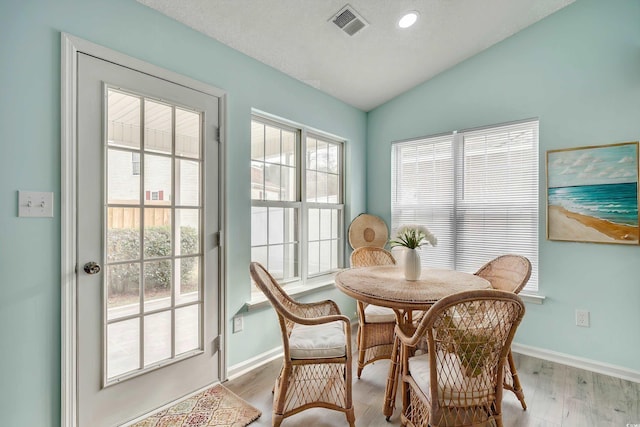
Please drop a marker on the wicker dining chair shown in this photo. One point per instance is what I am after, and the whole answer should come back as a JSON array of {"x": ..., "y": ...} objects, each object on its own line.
[
  {"x": 375, "y": 324},
  {"x": 458, "y": 382},
  {"x": 316, "y": 370},
  {"x": 509, "y": 273}
]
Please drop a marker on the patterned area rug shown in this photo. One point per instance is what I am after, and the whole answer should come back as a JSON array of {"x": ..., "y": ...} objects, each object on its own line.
[{"x": 214, "y": 407}]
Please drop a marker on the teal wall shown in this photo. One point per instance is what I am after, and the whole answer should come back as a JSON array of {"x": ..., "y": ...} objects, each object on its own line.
[
  {"x": 30, "y": 160},
  {"x": 578, "y": 71}
]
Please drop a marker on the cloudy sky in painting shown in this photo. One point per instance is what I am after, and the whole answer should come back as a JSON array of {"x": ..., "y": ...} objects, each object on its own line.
[{"x": 589, "y": 166}]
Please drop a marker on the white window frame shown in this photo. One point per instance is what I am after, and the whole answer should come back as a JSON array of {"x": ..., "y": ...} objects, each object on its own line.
[
  {"x": 456, "y": 179},
  {"x": 305, "y": 281}
]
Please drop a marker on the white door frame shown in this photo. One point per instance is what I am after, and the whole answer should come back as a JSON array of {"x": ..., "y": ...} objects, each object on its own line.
[{"x": 71, "y": 46}]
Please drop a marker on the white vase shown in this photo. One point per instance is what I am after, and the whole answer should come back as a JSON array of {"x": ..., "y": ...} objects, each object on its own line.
[{"x": 412, "y": 266}]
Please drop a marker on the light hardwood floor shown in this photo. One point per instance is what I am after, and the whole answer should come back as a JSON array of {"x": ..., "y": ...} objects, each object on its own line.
[{"x": 556, "y": 395}]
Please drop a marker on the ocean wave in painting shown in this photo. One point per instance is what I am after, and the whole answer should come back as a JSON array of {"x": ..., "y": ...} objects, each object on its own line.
[{"x": 612, "y": 202}]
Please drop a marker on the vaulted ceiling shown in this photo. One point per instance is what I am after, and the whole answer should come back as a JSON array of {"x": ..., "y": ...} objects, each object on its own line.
[{"x": 377, "y": 63}]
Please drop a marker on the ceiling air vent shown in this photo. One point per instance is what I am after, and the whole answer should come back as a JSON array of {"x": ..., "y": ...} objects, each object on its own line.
[{"x": 349, "y": 21}]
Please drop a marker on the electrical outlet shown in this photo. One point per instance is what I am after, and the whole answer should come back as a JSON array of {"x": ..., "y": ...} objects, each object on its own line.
[
  {"x": 582, "y": 318},
  {"x": 238, "y": 323}
]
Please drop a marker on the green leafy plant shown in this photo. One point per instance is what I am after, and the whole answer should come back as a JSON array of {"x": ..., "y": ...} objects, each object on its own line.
[{"x": 125, "y": 244}]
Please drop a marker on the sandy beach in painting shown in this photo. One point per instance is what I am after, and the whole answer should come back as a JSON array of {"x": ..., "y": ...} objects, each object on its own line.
[{"x": 567, "y": 225}]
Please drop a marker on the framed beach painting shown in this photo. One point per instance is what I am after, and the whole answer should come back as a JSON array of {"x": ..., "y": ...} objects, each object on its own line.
[{"x": 592, "y": 194}]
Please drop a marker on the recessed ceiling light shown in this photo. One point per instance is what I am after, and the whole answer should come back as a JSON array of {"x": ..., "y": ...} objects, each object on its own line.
[{"x": 408, "y": 20}]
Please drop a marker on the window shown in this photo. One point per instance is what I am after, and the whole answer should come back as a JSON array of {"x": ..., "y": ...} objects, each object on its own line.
[
  {"x": 296, "y": 201},
  {"x": 476, "y": 190},
  {"x": 135, "y": 163}
]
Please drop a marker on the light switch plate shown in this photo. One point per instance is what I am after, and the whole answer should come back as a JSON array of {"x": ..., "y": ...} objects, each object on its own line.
[{"x": 33, "y": 204}]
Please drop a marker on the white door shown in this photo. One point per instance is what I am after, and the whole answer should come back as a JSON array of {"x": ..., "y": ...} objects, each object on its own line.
[{"x": 147, "y": 259}]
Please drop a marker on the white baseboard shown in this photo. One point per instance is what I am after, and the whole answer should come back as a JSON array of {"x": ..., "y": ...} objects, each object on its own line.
[
  {"x": 253, "y": 363},
  {"x": 578, "y": 362}
]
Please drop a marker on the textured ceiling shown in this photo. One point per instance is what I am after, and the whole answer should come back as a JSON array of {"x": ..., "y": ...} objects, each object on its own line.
[{"x": 378, "y": 63}]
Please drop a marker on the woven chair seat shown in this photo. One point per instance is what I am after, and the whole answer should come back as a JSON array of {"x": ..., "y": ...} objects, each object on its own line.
[
  {"x": 376, "y": 314},
  {"x": 324, "y": 341},
  {"x": 455, "y": 388}
]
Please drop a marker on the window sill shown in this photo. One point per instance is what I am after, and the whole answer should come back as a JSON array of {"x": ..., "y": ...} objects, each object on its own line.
[
  {"x": 532, "y": 298},
  {"x": 259, "y": 301}
]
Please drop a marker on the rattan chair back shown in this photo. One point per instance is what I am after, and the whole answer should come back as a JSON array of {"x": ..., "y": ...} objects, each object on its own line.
[
  {"x": 468, "y": 337},
  {"x": 312, "y": 381},
  {"x": 507, "y": 272},
  {"x": 367, "y": 256}
]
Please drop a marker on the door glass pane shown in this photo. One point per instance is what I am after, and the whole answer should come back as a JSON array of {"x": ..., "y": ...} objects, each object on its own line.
[
  {"x": 188, "y": 282},
  {"x": 157, "y": 337},
  {"x": 157, "y": 233},
  {"x": 188, "y": 227},
  {"x": 187, "y": 133},
  {"x": 153, "y": 232},
  {"x": 123, "y": 290},
  {"x": 187, "y": 330},
  {"x": 157, "y": 127},
  {"x": 157, "y": 284},
  {"x": 123, "y": 347},
  {"x": 123, "y": 119},
  {"x": 123, "y": 185},
  {"x": 123, "y": 234},
  {"x": 157, "y": 180},
  {"x": 187, "y": 183}
]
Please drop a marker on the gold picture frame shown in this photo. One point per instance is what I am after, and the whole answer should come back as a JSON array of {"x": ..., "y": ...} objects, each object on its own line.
[{"x": 592, "y": 194}]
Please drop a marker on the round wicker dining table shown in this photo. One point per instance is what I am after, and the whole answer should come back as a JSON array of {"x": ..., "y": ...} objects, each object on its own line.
[{"x": 386, "y": 286}]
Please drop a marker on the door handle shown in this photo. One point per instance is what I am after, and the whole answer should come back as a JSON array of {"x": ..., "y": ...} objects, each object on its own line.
[{"x": 92, "y": 268}]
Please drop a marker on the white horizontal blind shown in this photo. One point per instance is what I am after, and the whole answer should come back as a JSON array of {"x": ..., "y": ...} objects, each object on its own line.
[
  {"x": 484, "y": 204},
  {"x": 422, "y": 192}
]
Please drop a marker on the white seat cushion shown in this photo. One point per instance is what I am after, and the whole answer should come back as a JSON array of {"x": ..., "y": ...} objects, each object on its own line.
[
  {"x": 451, "y": 380},
  {"x": 322, "y": 341},
  {"x": 377, "y": 314}
]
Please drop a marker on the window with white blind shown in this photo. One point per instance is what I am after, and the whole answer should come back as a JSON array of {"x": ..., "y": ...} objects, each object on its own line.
[
  {"x": 476, "y": 190},
  {"x": 296, "y": 201}
]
